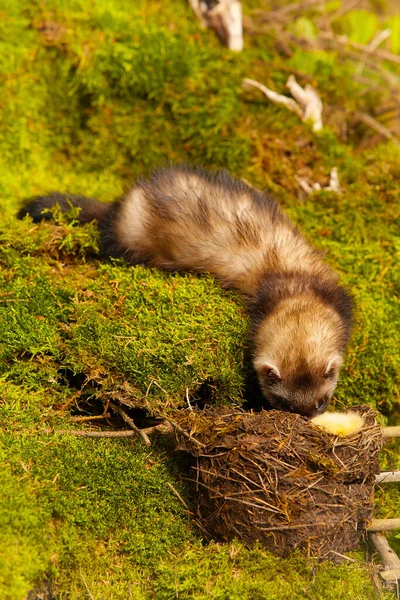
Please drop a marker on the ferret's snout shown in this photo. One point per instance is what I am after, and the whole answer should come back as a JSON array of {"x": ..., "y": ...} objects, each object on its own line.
[{"x": 316, "y": 408}]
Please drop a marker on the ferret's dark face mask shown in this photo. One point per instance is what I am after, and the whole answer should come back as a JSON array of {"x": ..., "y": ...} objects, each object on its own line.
[{"x": 305, "y": 393}]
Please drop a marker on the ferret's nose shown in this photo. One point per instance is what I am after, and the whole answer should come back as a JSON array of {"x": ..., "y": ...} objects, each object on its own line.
[{"x": 317, "y": 408}]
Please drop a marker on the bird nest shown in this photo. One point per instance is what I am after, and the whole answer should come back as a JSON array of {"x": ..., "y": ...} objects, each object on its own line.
[{"x": 275, "y": 478}]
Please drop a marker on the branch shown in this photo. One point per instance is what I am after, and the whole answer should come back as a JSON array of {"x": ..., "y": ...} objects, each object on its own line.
[
  {"x": 384, "y": 525},
  {"x": 389, "y": 432},
  {"x": 130, "y": 422},
  {"x": 225, "y": 17},
  {"x": 388, "y": 477},
  {"x": 308, "y": 106},
  {"x": 374, "y": 124},
  {"x": 390, "y": 560},
  {"x": 274, "y": 96},
  {"x": 125, "y": 433},
  {"x": 309, "y": 101}
]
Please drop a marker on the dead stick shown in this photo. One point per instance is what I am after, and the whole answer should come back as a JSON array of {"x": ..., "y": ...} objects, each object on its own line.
[
  {"x": 388, "y": 477},
  {"x": 389, "y": 432},
  {"x": 131, "y": 423},
  {"x": 93, "y": 418},
  {"x": 125, "y": 433},
  {"x": 384, "y": 525},
  {"x": 274, "y": 96},
  {"x": 390, "y": 560},
  {"x": 344, "y": 41},
  {"x": 177, "y": 494},
  {"x": 165, "y": 427},
  {"x": 319, "y": 523},
  {"x": 186, "y": 434},
  {"x": 374, "y": 124}
]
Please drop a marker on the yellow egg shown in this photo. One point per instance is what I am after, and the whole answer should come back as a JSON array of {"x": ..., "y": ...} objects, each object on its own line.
[{"x": 339, "y": 423}]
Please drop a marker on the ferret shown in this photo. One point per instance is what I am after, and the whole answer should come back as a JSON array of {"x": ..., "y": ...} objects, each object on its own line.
[{"x": 184, "y": 218}]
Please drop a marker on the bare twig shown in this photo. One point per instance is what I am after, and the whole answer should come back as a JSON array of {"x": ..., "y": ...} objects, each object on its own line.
[
  {"x": 307, "y": 104},
  {"x": 388, "y": 477},
  {"x": 378, "y": 52},
  {"x": 282, "y": 13},
  {"x": 374, "y": 124},
  {"x": 86, "y": 585},
  {"x": 343, "y": 556},
  {"x": 372, "y": 46},
  {"x": 345, "y": 7},
  {"x": 390, "y": 560},
  {"x": 384, "y": 525},
  {"x": 334, "y": 184},
  {"x": 300, "y": 526},
  {"x": 389, "y": 432},
  {"x": 177, "y": 494},
  {"x": 289, "y": 103},
  {"x": 186, "y": 434},
  {"x": 124, "y": 433},
  {"x": 92, "y": 418},
  {"x": 131, "y": 423},
  {"x": 309, "y": 101},
  {"x": 225, "y": 17},
  {"x": 165, "y": 427},
  {"x": 309, "y": 188}
]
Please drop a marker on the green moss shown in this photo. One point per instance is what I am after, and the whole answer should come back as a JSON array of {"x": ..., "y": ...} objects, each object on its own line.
[{"x": 95, "y": 95}]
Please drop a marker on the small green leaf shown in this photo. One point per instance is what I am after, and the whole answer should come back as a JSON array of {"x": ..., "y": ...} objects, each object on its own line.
[
  {"x": 305, "y": 28},
  {"x": 394, "y": 25},
  {"x": 333, "y": 5},
  {"x": 363, "y": 25}
]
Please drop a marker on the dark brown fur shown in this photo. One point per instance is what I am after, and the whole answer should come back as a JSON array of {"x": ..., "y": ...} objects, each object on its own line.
[{"x": 183, "y": 218}]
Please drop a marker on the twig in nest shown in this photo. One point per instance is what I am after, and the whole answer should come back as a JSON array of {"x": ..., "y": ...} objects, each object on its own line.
[
  {"x": 307, "y": 104},
  {"x": 131, "y": 423},
  {"x": 342, "y": 556},
  {"x": 187, "y": 435}
]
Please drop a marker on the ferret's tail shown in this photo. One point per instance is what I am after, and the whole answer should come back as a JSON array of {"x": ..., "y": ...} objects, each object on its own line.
[{"x": 90, "y": 209}]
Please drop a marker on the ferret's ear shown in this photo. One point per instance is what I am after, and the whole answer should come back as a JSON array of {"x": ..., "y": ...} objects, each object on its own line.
[
  {"x": 269, "y": 372},
  {"x": 333, "y": 366}
]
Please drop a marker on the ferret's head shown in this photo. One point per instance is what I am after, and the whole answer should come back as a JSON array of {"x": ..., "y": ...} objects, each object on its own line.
[{"x": 298, "y": 351}]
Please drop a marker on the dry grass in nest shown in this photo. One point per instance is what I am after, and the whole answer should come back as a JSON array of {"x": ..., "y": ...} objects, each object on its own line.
[{"x": 275, "y": 478}]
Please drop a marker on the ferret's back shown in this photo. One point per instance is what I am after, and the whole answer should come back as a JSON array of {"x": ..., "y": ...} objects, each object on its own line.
[{"x": 183, "y": 218}]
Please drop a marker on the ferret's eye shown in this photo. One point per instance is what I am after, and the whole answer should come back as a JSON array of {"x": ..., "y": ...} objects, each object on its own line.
[{"x": 321, "y": 404}]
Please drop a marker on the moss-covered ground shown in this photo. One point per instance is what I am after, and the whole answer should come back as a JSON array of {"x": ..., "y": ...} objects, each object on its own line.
[{"x": 95, "y": 93}]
